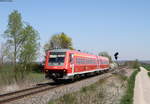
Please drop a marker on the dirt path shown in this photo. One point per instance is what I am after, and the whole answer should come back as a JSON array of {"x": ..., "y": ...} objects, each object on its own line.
[{"x": 142, "y": 88}]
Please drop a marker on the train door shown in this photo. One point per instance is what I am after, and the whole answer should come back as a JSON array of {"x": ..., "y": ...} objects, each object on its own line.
[
  {"x": 97, "y": 62},
  {"x": 72, "y": 62}
]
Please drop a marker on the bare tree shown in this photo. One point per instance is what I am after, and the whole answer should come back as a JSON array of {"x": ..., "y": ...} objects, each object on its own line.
[
  {"x": 4, "y": 53},
  {"x": 105, "y": 54}
]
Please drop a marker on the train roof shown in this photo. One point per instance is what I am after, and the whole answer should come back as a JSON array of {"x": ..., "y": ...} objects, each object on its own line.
[
  {"x": 59, "y": 50},
  {"x": 66, "y": 50},
  {"x": 78, "y": 52}
]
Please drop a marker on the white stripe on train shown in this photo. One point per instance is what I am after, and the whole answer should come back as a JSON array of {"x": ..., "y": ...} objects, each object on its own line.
[{"x": 72, "y": 74}]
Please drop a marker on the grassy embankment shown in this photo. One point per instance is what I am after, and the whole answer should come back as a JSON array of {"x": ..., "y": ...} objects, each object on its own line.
[
  {"x": 100, "y": 92},
  {"x": 148, "y": 74},
  {"x": 97, "y": 93},
  {"x": 128, "y": 97},
  {"x": 147, "y": 67},
  {"x": 7, "y": 76}
]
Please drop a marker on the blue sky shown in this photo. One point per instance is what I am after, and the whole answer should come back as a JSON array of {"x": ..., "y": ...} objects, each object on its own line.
[{"x": 94, "y": 25}]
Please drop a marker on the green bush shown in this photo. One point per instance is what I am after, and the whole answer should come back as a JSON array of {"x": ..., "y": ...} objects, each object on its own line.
[
  {"x": 132, "y": 64},
  {"x": 6, "y": 75},
  {"x": 128, "y": 97},
  {"x": 37, "y": 67},
  {"x": 136, "y": 64},
  {"x": 148, "y": 74},
  {"x": 146, "y": 66}
]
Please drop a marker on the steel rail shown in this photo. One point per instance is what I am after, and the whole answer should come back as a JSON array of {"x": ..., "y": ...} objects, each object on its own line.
[
  {"x": 11, "y": 93},
  {"x": 5, "y": 98},
  {"x": 8, "y": 97}
]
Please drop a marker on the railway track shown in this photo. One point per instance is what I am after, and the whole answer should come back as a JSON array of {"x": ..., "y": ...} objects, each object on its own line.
[{"x": 8, "y": 97}]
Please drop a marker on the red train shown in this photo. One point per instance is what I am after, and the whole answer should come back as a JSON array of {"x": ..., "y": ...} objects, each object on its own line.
[{"x": 70, "y": 64}]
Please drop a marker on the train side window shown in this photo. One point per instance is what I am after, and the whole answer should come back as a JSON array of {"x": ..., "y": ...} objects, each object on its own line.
[
  {"x": 87, "y": 61},
  {"x": 78, "y": 61},
  {"x": 71, "y": 58},
  {"x": 83, "y": 60}
]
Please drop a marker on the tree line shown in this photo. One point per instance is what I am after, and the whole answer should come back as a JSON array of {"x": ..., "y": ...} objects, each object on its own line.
[{"x": 21, "y": 45}]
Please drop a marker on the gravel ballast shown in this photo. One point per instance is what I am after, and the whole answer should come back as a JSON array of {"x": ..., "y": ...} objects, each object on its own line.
[{"x": 45, "y": 97}]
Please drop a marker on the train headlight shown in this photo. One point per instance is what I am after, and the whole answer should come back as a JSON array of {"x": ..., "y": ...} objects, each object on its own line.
[{"x": 64, "y": 71}]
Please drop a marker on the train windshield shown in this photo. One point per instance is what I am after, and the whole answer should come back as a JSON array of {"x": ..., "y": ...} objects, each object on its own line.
[{"x": 57, "y": 58}]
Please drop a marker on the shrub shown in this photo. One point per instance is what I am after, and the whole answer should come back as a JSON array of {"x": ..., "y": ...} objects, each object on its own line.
[
  {"x": 136, "y": 64},
  {"x": 132, "y": 64},
  {"x": 148, "y": 74},
  {"x": 105, "y": 54},
  {"x": 6, "y": 75},
  {"x": 37, "y": 67},
  {"x": 146, "y": 66}
]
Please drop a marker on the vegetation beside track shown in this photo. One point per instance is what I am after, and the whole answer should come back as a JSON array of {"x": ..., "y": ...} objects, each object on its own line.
[
  {"x": 146, "y": 66},
  {"x": 128, "y": 97},
  {"x": 135, "y": 64},
  {"x": 98, "y": 93},
  {"x": 21, "y": 48},
  {"x": 148, "y": 74},
  {"x": 7, "y": 75},
  {"x": 119, "y": 92}
]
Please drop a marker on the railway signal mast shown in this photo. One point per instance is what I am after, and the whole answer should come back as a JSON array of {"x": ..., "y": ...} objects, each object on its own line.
[{"x": 116, "y": 56}]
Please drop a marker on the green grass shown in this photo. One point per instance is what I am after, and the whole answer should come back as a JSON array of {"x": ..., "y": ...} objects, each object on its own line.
[
  {"x": 83, "y": 96},
  {"x": 35, "y": 77},
  {"x": 146, "y": 66},
  {"x": 148, "y": 74},
  {"x": 97, "y": 93},
  {"x": 128, "y": 97},
  {"x": 7, "y": 76}
]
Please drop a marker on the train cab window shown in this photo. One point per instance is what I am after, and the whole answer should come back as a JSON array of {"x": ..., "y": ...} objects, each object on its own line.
[{"x": 56, "y": 58}]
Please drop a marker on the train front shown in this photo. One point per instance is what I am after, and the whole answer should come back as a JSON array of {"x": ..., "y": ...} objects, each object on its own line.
[{"x": 55, "y": 65}]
